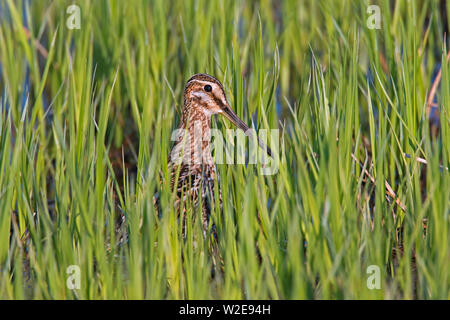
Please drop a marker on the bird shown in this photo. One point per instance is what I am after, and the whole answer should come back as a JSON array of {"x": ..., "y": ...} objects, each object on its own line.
[{"x": 191, "y": 165}]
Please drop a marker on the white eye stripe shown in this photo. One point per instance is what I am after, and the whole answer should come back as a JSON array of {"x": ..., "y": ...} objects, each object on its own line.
[
  {"x": 205, "y": 83},
  {"x": 200, "y": 94}
]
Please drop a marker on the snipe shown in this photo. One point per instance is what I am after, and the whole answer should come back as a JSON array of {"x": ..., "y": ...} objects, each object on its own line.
[{"x": 191, "y": 156}]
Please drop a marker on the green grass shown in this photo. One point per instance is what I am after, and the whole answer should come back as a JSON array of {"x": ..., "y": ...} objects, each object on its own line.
[{"x": 85, "y": 130}]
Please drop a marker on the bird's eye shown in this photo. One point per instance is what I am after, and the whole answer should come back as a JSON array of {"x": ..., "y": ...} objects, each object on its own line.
[{"x": 208, "y": 88}]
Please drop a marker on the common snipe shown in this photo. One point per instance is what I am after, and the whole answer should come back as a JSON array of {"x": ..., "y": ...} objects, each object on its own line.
[{"x": 191, "y": 156}]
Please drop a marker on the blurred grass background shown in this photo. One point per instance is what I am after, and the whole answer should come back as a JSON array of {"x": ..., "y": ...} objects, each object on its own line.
[{"x": 86, "y": 120}]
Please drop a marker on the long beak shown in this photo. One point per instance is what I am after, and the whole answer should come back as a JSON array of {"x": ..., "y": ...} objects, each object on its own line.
[{"x": 243, "y": 126}]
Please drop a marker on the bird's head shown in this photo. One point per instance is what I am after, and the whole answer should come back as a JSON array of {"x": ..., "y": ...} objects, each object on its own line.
[{"x": 204, "y": 93}]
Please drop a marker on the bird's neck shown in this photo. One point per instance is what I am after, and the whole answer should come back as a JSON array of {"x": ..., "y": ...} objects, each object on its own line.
[
  {"x": 194, "y": 136},
  {"x": 194, "y": 116}
]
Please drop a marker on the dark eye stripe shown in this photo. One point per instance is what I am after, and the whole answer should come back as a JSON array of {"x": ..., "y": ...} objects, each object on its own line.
[
  {"x": 218, "y": 101},
  {"x": 207, "y": 88}
]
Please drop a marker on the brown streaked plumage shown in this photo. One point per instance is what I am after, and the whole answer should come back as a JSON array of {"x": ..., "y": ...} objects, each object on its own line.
[{"x": 191, "y": 156}]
